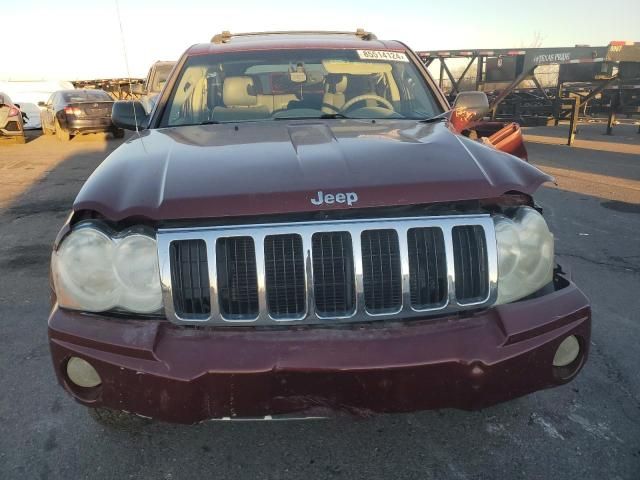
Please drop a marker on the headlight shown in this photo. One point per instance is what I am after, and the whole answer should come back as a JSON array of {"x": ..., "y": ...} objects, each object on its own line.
[
  {"x": 525, "y": 254},
  {"x": 94, "y": 271},
  {"x": 136, "y": 265}
]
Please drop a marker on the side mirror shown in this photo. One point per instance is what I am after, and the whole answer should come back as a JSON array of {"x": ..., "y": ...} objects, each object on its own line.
[
  {"x": 469, "y": 107},
  {"x": 41, "y": 104},
  {"x": 129, "y": 114},
  {"x": 472, "y": 101}
]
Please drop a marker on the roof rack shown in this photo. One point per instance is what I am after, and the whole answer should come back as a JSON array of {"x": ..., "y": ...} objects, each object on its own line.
[{"x": 226, "y": 36}]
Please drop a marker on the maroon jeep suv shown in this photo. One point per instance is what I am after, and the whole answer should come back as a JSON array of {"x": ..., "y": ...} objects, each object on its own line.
[{"x": 304, "y": 226}]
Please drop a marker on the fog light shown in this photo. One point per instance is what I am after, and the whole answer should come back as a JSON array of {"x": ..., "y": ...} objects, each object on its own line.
[
  {"x": 567, "y": 352},
  {"x": 81, "y": 373}
]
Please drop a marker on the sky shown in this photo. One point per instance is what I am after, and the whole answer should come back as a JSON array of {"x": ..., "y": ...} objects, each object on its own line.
[{"x": 73, "y": 39}]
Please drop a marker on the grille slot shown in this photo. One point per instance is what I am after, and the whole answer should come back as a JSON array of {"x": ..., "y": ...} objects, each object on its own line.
[
  {"x": 427, "y": 267},
  {"x": 284, "y": 275},
  {"x": 333, "y": 279},
  {"x": 190, "y": 278},
  {"x": 471, "y": 263},
  {"x": 237, "y": 278},
  {"x": 382, "y": 279}
]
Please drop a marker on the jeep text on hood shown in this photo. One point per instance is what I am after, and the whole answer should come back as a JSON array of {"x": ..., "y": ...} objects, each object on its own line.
[{"x": 303, "y": 225}]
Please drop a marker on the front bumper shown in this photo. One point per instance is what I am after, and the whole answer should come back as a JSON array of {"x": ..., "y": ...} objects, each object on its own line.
[{"x": 187, "y": 375}]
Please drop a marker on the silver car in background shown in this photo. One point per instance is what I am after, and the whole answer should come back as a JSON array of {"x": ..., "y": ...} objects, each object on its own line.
[{"x": 11, "y": 121}]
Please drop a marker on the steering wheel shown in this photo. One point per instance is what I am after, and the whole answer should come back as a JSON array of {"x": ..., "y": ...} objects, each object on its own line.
[{"x": 369, "y": 96}]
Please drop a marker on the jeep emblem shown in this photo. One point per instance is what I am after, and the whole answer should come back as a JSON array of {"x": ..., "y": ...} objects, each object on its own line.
[{"x": 329, "y": 198}]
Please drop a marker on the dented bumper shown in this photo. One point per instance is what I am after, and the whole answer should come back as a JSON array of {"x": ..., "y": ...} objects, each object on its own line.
[{"x": 187, "y": 375}]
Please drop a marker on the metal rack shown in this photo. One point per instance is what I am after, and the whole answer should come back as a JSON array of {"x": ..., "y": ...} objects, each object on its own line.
[
  {"x": 118, "y": 88},
  {"x": 606, "y": 77}
]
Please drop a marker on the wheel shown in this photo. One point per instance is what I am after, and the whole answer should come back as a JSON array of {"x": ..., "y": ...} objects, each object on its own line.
[
  {"x": 118, "y": 420},
  {"x": 62, "y": 135},
  {"x": 118, "y": 133}
]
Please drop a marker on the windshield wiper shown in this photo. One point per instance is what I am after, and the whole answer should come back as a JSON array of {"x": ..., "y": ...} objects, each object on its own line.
[
  {"x": 206, "y": 122},
  {"x": 436, "y": 118},
  {"x": 333, "y": 115},
  {"x": 309, "y": 117}
]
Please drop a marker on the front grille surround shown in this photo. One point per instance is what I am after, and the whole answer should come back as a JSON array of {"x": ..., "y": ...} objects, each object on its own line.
[{"x": 306, "y": 230}]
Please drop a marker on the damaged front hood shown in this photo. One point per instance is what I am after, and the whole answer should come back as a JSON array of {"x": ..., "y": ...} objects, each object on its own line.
[{"x": 259, "y": 168}]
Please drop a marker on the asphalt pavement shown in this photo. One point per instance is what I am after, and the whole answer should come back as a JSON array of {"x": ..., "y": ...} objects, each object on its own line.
[{"x": 588, "y": 429}]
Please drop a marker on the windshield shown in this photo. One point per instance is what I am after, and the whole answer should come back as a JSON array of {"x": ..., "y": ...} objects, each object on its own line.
[
  {"x": 160, "y": 77},
  {"x": 282, "y": 84}
]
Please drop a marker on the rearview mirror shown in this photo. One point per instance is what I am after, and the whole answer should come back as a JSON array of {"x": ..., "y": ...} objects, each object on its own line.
[
  {"x": 129, "y": 114},
  {"x": 469, "y": 107},
  {"x": 41, "y": 104}
]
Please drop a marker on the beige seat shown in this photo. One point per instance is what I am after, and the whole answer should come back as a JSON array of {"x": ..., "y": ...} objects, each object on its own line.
[
  {"x": 276, "y": 102},
  {"x": 241, "y": 101},
  {"x": 334, "y": 93}
]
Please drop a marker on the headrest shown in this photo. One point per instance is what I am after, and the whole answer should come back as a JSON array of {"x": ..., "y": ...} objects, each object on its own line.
[
  {"x": 336, "y": 83},
  {"x": 341, "y": 85},
  {"x": 238, "y": 92}
]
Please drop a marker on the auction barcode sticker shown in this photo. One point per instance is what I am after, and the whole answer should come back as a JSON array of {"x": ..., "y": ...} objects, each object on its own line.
[{"x": 382, "y": 55}]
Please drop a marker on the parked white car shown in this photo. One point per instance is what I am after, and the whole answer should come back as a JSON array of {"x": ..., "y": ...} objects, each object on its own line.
[{"x": 28, "y": 93}]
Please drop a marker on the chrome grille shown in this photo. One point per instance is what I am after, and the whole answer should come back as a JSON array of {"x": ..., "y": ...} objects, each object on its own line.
[
  {"x": 427, "y": 267},
  {"x": 381, "y": 279},
  {"x": 237, "y": 282},
  {"x": 284, "y": 275},
  {"x": 469, "y": 247},
  {"x": 333, "y": 279},
  {"x": 328, "y": 271},
  {"x": 190, "y": 278}
]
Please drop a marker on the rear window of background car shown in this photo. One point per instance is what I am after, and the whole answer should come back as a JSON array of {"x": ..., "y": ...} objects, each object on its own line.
[{"x": 86, "y": 96}]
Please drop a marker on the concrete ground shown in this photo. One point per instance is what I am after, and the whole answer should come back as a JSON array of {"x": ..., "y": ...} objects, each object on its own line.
[{"x": 588, "y": 429}]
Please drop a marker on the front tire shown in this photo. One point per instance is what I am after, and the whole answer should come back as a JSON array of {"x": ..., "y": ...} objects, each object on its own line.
[
  {"x": 61, "y": 134},
  {"x": 117, "y": 419}
]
